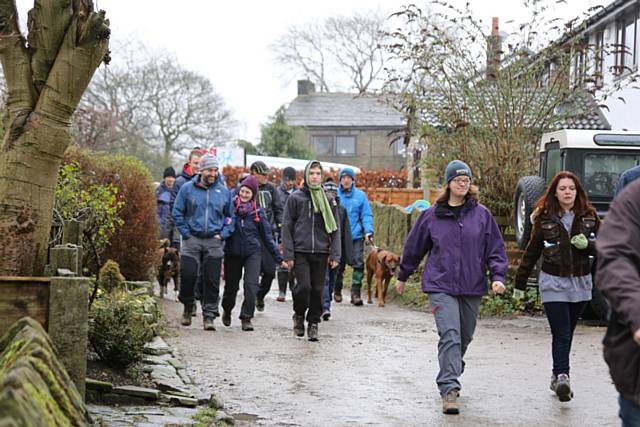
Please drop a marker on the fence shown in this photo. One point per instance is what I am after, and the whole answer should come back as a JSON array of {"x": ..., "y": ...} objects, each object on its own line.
[{"x": 398, "y": 196}]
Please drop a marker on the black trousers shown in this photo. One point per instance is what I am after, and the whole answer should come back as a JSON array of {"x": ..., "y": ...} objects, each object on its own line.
[
  {"x": 233, "y": 268},
  {"x": 563, "y": 318},
  {"x": 310, "y": 271},
  {"x": 268, "y": 272}
]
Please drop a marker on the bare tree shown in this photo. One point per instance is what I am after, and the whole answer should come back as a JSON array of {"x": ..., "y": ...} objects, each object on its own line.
[
  {"x": 336, "y": 50},
  {"x": 67, "y": 41},
  {"x": 149, "y": 102}
]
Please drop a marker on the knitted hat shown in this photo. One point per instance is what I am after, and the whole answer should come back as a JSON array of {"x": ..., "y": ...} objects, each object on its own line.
[
  {"x": 347, "y": 171},
  {"x": 251, "y": 182},
  {"x": 289, "y": 174},
  {"x": 330, "y": 186},
  {"x": 457, "y": 168},
  {"x": 170, "y": 171},
  {"x": 259, "y": 167},
  {"x": 208, "y": 161}
]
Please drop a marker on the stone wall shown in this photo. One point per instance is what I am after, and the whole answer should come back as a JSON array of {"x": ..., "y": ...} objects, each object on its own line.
[
  {"x": 35, "y": 388},
  {"x": 392, "y": 225}
]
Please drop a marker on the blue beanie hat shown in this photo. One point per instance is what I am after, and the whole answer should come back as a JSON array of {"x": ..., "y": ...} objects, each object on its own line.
[
  {"x": 347, "y": 171},
  {"x": 457, "y": 168}
]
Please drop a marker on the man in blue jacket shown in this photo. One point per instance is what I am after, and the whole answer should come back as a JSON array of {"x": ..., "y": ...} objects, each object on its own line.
[
  {"x": 356, "y": 203},
  {"x": 203, "y": 215}
]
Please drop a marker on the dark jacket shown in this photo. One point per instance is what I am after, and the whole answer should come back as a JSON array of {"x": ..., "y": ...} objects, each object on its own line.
[
  {"x": 248, "y": 236},
  {"x": 283, "y": 195},
  {"x": 345, "y": 235},
  {"x": 203, "y": 211},
  {"x": 303, "y": 230},
  {"x": 268, "y": 200},
  {"x": 560, "y": 258},
  {"x": 618, "y": 277},
  {"x": 461, "y": 250},
  {"x": 163, "y": 203}
]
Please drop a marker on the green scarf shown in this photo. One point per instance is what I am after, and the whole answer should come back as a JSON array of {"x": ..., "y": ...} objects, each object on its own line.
[{"x": 319, "y": 200}]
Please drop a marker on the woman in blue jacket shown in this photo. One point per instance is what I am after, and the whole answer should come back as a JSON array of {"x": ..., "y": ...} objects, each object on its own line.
[
  {"x": 243, "y": 252},
  {"x": 463, "y": 242}
]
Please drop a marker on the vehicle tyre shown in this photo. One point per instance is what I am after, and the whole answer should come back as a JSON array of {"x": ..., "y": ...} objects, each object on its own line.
[{"x": 528, "y": 191}]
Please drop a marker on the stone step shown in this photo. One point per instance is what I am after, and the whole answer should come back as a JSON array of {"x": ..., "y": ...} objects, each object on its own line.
[{"x": 131, "y": 390}]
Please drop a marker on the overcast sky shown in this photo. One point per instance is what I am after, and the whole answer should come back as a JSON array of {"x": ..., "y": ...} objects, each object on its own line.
[{"x": 228, "y": 41}]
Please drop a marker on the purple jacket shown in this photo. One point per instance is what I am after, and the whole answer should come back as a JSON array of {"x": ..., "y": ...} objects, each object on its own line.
[{"x": 460, "y": 250}]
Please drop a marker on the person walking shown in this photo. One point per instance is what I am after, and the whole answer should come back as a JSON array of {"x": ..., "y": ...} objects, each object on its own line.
[
  {"x": 203, "y": 214},
  {"x": 618, "y": 278},
  {"x": 189, "y": 170},
  {"x": 462, "y": 241},
  {"x": 564, "y": 234},
  {"x": 356, "y": 203},
  {"x": 243, "y": 252},
  {"x": 287, "y": 186},
  {"x": 331, "y": 188},
  {"x": 311, "y": 239},
  {"x": 267, "y": 199},
  {"x": 163, "y": 201}
]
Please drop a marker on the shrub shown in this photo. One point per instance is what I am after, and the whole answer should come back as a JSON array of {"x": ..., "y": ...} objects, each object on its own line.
[
  {"x": 133, "y": 245},
  {"x": 110, "y": 277},
  {"x": 118, "y": 330}
]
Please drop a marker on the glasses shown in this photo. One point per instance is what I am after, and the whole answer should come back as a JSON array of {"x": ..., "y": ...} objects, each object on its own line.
[{"x": 462, "y": 181}]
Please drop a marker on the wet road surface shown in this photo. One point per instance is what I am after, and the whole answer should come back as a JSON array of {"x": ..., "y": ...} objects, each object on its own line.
[{"x": 377, "y": 366}]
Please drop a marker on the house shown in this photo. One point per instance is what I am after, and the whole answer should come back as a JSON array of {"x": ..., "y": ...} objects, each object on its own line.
[
  {"x": 349, "y": 128},
  {"x": 607, "y": 62}
]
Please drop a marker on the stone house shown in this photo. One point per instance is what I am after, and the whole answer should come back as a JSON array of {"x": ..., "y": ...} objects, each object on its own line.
[{"x": 349, "y": 128}]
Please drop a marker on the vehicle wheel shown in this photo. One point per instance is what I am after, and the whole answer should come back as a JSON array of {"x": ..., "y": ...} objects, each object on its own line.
[{"x": 528, "y": 191}]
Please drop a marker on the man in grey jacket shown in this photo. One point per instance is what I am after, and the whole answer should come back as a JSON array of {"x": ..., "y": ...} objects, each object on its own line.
[{"x": 618, "y": 277}]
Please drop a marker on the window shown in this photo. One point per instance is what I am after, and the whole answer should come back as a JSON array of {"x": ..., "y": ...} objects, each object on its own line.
[
  {"x": 579, "y": 68},
  {"x": 625, "y": 50},
  {"x": 323, "y": 145},
  {"x": 554, "y": 163},
  {"x": 398, "y": 148},
  {"x": 598, "y": 59},
  {"x": 601, "y": 172},
  {"x": 345, "y": 145}
]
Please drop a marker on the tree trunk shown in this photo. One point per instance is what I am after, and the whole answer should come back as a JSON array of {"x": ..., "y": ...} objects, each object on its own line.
[{"x": 67, "y": 42}]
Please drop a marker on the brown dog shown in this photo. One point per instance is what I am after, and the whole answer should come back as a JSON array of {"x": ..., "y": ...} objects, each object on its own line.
[
  {"x": 383, "y": 264},
  {"x": 169, "y": 268}
]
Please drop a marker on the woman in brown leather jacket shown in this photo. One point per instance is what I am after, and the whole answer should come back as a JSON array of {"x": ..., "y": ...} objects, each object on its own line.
[{"x": 564, "y": 233}]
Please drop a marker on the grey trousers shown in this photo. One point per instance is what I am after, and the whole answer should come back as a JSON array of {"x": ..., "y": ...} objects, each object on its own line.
[{"x": 455, "y": 318}]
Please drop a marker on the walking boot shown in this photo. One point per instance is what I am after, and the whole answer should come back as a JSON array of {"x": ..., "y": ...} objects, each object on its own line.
[
  {"x": 356, "y": 284},
  {"x": 207, "y": 323},
  {"x": 326, "y": 315},
  {"x": 563, "y": 388},
  {"x": 450, "y": 403},
  {"x": 260, "y": 304},
  {"x": 226, "y": 318},
  {"x": 281, "y": 296},
  {"x": 312, "y": 332},
  {"x": 337, "y": 296},
  {"x": 186, "y": 316},
  {"x": 298, "y": 325},
  {"x": 355, "y": 298},
  {"x": 246, "y": 324}
]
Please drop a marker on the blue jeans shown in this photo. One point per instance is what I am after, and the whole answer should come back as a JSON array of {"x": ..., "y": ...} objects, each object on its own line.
[
  {"x": 629, "y": 413},
  {"x": 563, "y": 318},
  {"x": 329, "y": 283}
]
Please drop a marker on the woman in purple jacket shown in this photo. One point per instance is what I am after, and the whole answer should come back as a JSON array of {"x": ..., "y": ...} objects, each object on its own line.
[{"x": 463, "y": 241}]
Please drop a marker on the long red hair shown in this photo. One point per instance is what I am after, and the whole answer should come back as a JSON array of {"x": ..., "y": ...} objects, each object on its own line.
[{"x": 549, "y": 204}]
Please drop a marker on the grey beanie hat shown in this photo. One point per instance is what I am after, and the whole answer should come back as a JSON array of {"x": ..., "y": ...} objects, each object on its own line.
[
  {"x": 456, "y": 168},
  {"x": 208, "y": 161}
]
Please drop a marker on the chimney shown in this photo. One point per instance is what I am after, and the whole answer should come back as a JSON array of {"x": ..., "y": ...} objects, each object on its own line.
[
  {"x": 494, "y": 49},
  {"x": 306, "y": 87}
]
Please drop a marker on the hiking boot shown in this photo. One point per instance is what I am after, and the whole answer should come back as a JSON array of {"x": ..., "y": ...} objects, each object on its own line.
[
  {"x": 298, "y": 325},
  {"x": 355, "y": 299},
  {"x": 281, "y": 296},
  {"x": 326, "y": 315},
  {"x": 450, "y": 403},
  {"x": 563, "y": 388},
  {"x": 246, "y": 325},
  {"x": 186, "y": 316},
  {"x": 208, "y": 324},
  {"x": 312, "y": 332},
  {"x": 260, "y": 304},
  {"x": 226, "y": 318},
  {"x": 337, "y": 296}
]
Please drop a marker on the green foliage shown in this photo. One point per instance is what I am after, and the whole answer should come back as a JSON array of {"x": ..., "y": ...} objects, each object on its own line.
[
  {"x": 205, "y": 417},
  {"x": 96, "y": 204},
  {"x": 506, "y": 305},
  {"x": 278, "y": 139},
  {"x": 110, "y": 277},
  {"x": 119, "y": 328},
  {"x": 248, "y": 147}
]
